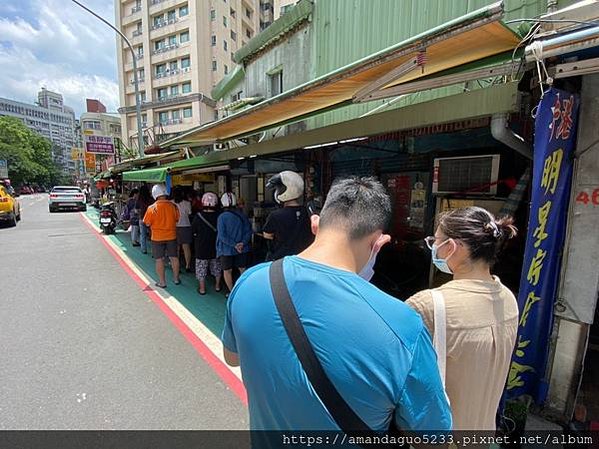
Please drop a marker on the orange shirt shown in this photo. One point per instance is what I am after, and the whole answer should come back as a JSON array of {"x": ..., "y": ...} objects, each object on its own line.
[{"x": 162, "y": 218}]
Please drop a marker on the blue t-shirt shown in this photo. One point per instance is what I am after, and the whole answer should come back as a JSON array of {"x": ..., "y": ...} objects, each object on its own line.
[{"x": 373, "y": 347}]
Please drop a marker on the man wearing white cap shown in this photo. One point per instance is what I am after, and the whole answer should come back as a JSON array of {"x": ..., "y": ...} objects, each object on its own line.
[{"x": 162, "y": 218}]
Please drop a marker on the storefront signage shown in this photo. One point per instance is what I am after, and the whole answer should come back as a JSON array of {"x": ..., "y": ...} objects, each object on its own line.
[
  {"x": 188, "y": 180},
  {"x": 99, "y": 144},
  {"x": 555, "y": 137}
]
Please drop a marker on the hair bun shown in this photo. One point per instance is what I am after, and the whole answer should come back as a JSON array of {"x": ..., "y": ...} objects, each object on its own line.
[{"x": 506, "y": 227}]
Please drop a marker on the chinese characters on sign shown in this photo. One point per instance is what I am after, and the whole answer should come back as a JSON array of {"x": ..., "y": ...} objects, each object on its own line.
[
  {"x": 555, "y": 128},
  {"x": 99, "y": 144}
]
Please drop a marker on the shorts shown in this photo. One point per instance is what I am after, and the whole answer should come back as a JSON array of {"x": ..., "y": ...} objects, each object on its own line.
[
  {"x": 165, "y": 249},
  {"x": 184, "y": 235},
  {"x": 202, "y": 266},
  {"x": 236, "y": 261}
]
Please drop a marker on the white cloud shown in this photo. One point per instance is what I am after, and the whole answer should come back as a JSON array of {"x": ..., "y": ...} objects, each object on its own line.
[{"x": 56, "y": 44}]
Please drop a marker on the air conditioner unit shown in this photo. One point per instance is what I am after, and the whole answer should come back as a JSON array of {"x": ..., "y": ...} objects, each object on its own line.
[
  {"x": 186, "y": 69},
  {"x": 470, "y": 175},
  {"x": 220, "y": 146}
]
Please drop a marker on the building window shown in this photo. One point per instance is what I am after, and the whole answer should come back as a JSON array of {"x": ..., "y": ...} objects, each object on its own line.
[
  {"x": 214, "y": 66},
  {"x": 172, "y": 16},
  {"x": 184, "y": 37},
  {"x": 183, "y": 11},
  {"x": 212, "y": 15},
  {"x": 142, "y": 96},
  {"x": 233, "y": 13},
  {"x": 225, "y": 45},
  {"x": 160, "y": 69},
  {"x": 232, "y": 56},
  {"x": 185, "y": 63},
  {"x": 225, "y": 21},
  {"x": 162, "y": 93},
  {"x": 174, "y": 91},
  {"x": 226, "y": 69},
  {"x": 186, "y": 88},
  {"x": 173, "y": 66},
  {"x": 158, "y": 21},
  {"x": 163, "y": 118},
  {"x": 248, "y": 33},
  {"x": 248, "y": 13},
  {"x": 159, "y": 45},
  {"x": 213, "y": 40},
  {"x": 233, "y": 35},
  {"x": 172, "y": 40},
  {"x": 176, "y": 114},
  {"x": 276, "y": 83},
  {"x": 187, "y": 113}
]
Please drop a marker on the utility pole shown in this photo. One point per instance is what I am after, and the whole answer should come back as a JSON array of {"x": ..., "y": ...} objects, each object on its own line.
[{"x": 140, "y": 137}]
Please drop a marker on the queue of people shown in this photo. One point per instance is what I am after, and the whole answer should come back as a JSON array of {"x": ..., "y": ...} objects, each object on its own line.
[{"x": 321, "y": 348}]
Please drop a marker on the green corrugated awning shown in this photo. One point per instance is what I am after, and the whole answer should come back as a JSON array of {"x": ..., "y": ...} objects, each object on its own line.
[
  {"x": 228, "y": 82},
  {"x": 147, "y": 175},
  {"x": 279, "y": 28}
]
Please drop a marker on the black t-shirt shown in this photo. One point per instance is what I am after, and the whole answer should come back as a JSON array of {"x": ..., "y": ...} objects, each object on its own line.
[
  {"x": 204, "y": 236},
  {"x": 291, "y": 229}
]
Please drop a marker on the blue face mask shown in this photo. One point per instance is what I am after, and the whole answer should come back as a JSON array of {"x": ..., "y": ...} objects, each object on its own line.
[
  {"x": 368, "y": 271},
  {"x": 441, "y": 264}
]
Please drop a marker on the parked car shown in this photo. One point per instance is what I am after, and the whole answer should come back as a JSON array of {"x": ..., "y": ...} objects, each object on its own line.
[
  {"x": 10, "y": 209},
  {"x": 66, "y": 197},
  {"x": 26, "y": 190}
]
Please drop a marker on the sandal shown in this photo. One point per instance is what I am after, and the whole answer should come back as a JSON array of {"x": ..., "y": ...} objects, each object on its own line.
[
  {"x": 157, "y": 284},
  {"x": 200, "y": 292},
  {"x": 177, "y": 282},
  {"x": 218, "y": 290}
]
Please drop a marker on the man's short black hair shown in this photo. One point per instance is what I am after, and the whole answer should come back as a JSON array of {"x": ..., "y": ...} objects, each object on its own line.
[{"x": 360, "y": 206}]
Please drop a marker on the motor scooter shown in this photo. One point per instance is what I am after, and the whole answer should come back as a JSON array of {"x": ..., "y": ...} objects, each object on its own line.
[{"x": 108, "y": 219}]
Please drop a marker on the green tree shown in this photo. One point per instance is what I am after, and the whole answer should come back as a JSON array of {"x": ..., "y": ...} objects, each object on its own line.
[{"x": 28, "y": 154}]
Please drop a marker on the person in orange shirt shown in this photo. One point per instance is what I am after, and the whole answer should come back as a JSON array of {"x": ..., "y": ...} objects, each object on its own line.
[{"x": 162, "y": 218}]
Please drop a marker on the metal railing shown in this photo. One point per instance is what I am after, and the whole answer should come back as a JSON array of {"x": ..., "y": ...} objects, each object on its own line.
[
  {"x": 137, "y": 33},
  {"x": 135, "y": 9},
  {"x": 165, "y": 49}
]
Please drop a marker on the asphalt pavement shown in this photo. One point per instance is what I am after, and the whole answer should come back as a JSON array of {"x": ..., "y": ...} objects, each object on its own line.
[{"x": 82, "y": 347}]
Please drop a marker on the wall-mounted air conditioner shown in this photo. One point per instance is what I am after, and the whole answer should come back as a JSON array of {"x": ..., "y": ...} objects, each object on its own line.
[{"x": 470, "y": 175}]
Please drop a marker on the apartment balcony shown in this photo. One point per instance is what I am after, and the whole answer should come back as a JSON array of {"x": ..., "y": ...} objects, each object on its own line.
[
  {"x": 130, "y": 88},
  {"x": 129, "y": 65},
  {"x": 178, "y": 125},
  {"x": 173, "y": 77},
  {"x": 159, "y": 5},
  {"x": 134, "y": 15},
  {"x": 171, "y": 52},
  {"x": 168, "y": 102},
  {"x": 166, "y": 28}
]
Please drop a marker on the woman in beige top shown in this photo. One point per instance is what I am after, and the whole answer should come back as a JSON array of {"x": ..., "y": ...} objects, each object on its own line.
[{"x": 481, "y": 314}]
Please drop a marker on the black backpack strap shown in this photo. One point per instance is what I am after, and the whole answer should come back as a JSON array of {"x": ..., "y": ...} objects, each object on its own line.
[{"x": 342, "y": 413}]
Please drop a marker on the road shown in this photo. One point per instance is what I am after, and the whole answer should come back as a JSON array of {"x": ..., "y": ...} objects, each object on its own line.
[{"x": 82, "y": 346}]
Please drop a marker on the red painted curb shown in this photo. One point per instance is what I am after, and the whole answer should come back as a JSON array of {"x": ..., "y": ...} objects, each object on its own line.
[{"x": 221, "y": 370}]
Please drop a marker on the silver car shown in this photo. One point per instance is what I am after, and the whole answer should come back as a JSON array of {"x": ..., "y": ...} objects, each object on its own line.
[{"x": 66, "y": 197}]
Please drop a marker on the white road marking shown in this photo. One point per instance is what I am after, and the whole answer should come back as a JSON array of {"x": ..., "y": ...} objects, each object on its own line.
[{"x": 196, "y": 326}]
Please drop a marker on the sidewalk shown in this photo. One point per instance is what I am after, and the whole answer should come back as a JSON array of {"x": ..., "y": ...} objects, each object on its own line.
[{"x": 208, "y": 309}]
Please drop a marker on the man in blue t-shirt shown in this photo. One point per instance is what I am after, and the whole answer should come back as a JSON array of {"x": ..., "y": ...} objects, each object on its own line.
[{"x": 374, "y": 348}]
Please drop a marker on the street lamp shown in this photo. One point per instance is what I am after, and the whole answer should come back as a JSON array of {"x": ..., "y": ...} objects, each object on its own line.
[{"x": 140, "y": 137}]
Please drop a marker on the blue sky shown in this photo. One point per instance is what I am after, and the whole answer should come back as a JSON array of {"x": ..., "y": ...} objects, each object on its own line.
[{"x": 56, "y": 44}]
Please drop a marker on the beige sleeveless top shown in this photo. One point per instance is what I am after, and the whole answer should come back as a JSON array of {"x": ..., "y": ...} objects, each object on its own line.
[{"x": 482, "y": 323}]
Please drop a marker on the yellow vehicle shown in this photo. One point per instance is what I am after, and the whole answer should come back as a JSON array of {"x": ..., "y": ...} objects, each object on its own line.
[{"x": 10, "y": 209}]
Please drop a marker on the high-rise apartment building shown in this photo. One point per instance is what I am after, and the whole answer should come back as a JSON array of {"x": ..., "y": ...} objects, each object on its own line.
[
  {"x": 49, "y": 118},
  {"x": 182, "y": 48}
]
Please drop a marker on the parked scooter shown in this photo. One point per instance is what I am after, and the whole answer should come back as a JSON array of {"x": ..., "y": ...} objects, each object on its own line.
[{"x": 108, "y": 220}]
